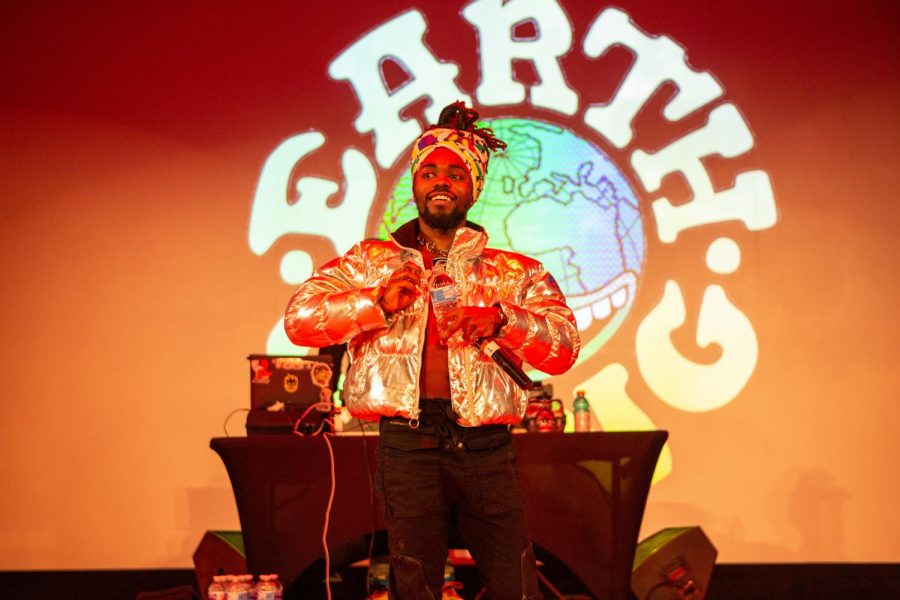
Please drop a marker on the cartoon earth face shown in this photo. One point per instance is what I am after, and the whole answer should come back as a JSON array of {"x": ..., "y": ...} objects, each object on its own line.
[{"x": 558, "y": 198}]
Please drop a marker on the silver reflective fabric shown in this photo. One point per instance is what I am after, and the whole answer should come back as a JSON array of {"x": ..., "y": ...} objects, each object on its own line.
[{"x": 338, "y": 304}]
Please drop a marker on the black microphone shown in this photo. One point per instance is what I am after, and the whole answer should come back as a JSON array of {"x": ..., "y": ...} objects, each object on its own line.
[{"x": 493, "y": 349}]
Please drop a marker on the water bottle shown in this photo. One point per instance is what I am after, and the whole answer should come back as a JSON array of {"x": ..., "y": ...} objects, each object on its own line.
[
  {"x": 443, "y": 293},
  {"x": 216, "y": 590},
  {"x": 248, "y": 587},
  {"x": 582, "y": 411},
  {"x": 236, "y": 588},
  {"x": 264, "y": 589},
  {"x": 269, "y": 588},
  {"x": 279, "y": 589},
  {"x": 232, "y": 589}
]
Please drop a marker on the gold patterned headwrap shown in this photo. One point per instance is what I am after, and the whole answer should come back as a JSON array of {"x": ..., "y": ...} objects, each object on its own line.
[{"x": 456, "y": 131}]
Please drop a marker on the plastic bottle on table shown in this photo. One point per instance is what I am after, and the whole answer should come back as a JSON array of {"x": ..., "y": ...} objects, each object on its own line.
[
  {"x": 216, "y": 590},
  {"x": 269, "y": 588},
  {"x": 232, "y": 588},
  {"x": 236, "y": 588},
  {"x": 248, "y": 586},
  {"x": 264, "y": 589},
  {"x": 582, "y": 410}
]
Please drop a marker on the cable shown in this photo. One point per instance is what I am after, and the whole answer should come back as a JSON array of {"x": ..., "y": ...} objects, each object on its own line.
[
  {"x": 325, "y": 435},
  {"x": 231, "y": 414},
  {"x": 549, "y": 585},
  {"x": 371, "y": 502},
  {"x": 315, "y": 405},
  {"x": 328, "y": 516}
]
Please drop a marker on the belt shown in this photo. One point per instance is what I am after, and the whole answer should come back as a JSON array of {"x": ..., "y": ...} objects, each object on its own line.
[{"x": 437, "y": 427}]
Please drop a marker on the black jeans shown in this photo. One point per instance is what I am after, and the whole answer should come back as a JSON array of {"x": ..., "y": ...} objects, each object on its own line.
[{"x": 439, "y": 475}]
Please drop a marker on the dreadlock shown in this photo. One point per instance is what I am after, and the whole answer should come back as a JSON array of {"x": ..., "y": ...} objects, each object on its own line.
[{"x": 459, "y": 116}]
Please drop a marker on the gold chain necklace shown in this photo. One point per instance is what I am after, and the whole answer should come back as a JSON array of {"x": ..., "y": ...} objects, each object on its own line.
[{"x": 431, "y": 247}]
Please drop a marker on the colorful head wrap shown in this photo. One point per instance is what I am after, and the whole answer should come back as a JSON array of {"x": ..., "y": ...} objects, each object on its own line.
[{"x": 456, "y": 131}]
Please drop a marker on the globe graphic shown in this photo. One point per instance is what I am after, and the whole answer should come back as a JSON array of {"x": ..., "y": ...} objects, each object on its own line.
[{"x": 556, "y": 197}]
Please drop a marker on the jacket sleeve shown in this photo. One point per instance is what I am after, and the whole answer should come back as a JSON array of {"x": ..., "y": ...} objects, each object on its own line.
[
  {"x": 334, "y": 305},
  {"x": 541, "y": 329}
]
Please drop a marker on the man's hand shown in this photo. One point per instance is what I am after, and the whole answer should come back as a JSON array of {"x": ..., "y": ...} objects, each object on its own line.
[
  {"x": 474, "y": 322},
  {"x": 402, "y": 288}
]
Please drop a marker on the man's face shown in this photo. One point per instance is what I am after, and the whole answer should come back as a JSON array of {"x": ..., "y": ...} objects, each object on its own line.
[{"x": 442, "y": 189}]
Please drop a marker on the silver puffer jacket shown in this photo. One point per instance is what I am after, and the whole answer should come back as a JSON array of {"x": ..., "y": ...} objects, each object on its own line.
[{"x": 338, "y": 304}]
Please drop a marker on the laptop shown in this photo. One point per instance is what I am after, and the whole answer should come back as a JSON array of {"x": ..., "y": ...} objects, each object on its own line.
[{"x": 284, "y": 389}]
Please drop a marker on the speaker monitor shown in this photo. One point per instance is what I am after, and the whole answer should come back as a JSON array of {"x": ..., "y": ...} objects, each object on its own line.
[
  {"x": 675, "y": 563},
  {"x": 219, "y": 553}
]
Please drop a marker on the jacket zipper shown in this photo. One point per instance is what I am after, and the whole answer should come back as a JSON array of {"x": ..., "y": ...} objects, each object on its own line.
[
  {"x": 414, "y": 420},
  {"x": 466, "y": 354}
]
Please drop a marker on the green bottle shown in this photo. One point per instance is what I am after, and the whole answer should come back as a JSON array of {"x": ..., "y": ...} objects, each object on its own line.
[{"x": 582, "y": 410}]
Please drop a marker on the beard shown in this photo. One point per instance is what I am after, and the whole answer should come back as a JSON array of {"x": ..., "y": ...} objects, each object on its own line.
[{"x": 444, "y": 220}]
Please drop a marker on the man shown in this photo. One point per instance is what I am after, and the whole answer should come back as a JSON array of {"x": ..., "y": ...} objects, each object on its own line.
[{"x": 445, "y": 454}]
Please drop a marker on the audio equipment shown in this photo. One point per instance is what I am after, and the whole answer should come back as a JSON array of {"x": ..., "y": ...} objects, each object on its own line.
[{"x": 673, "y": 564}]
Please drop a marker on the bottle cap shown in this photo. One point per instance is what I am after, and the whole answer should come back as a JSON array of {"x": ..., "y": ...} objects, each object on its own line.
[{"x": 579, "y": 393}]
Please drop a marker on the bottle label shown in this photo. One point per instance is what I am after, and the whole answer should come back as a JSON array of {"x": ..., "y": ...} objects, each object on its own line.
[
  {"x": 443, "y": 295},
  {"x": 582, "y": 421}
]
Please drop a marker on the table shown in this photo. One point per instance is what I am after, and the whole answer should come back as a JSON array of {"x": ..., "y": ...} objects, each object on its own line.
[{"x": 585, "y": 495}]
